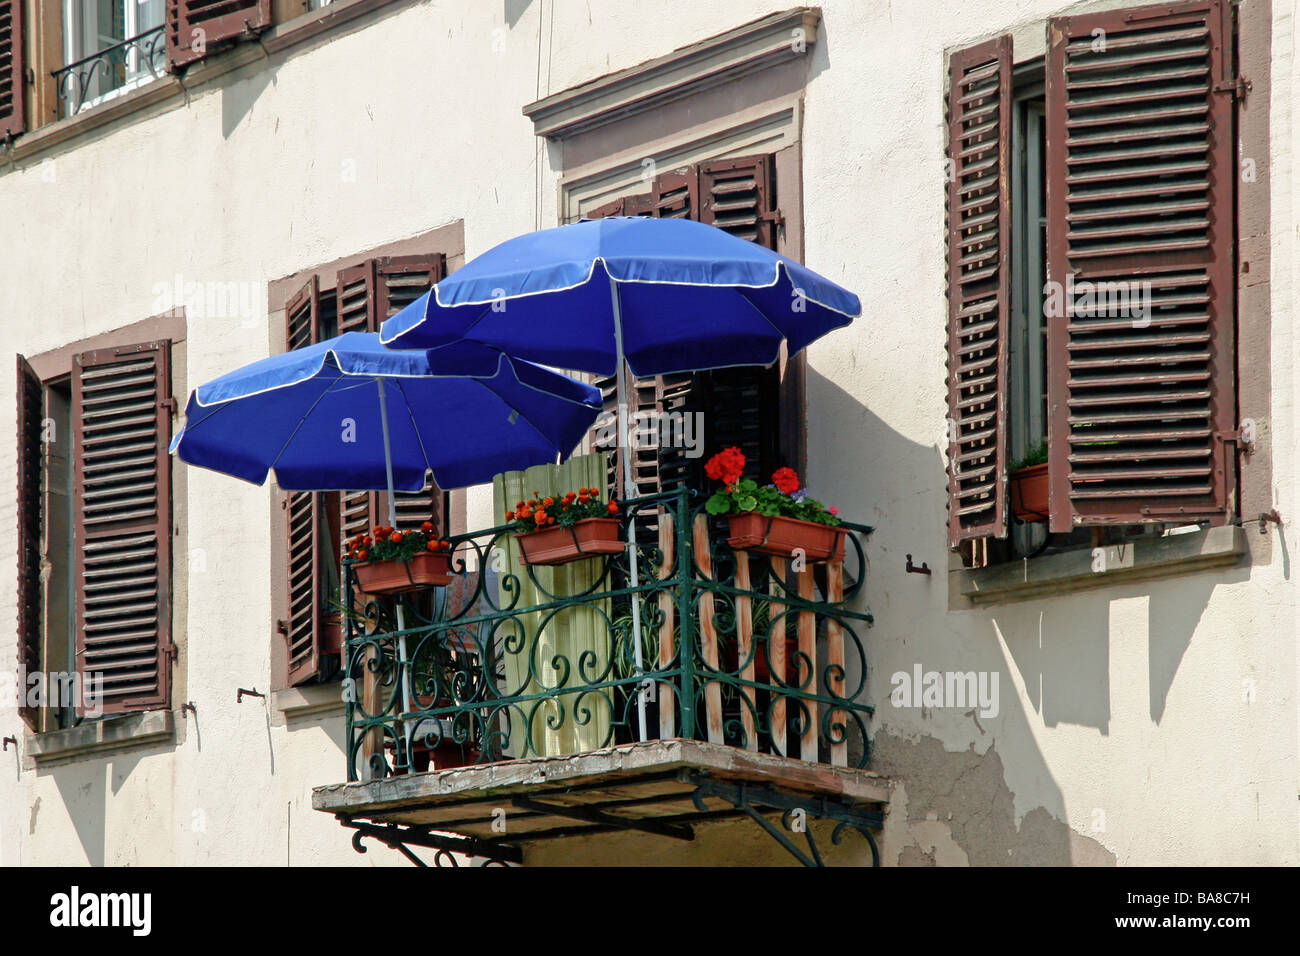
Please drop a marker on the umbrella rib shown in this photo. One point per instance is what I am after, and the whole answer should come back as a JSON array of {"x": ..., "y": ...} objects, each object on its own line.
[
  {"x": 301, "y": 421},
  {"x": 424, "y": 453}
]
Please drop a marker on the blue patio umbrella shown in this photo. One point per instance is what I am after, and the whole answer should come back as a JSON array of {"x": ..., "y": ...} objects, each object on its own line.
[
  {"x": 666, "y": 295},
  {"x": 349, "y": 414}
]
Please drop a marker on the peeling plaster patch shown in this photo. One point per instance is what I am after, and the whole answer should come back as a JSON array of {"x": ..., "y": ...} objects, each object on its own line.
[
  {"x": 912, "y": 856},
  {"x": 962, "y": 799},
  {"x": 36, "y": 808}
]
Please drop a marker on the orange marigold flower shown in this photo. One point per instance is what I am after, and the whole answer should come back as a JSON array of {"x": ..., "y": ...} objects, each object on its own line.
[
  {"x": 396, "y": 537},
  {"x": 548, "y": 501},
  {"x": 433, "y": 546},
  {"x": 613, "y": 507},
  {"x": 510, "y": 516},
  {"x": 363, "y": 555},
  {"x": 426, "y": 527}
]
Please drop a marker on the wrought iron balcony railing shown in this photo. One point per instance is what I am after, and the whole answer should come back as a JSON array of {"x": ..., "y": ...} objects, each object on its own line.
[
  {"x": 122, "y": 66},
  {"x": 512, "y": 662}
]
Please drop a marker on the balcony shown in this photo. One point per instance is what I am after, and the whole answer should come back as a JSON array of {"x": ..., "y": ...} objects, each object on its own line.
[
  {"x": 113, "y": 71},
  {"x": 518, "y": 687}
]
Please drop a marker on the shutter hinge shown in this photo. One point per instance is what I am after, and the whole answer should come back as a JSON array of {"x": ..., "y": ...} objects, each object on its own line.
[
  {"x": 775, "y": 216},
  {"x": 282, "y": 626},
  {"x": 1238, "y": 87},
  {"x": 170, "y": 652},
  {"x": 168, "y": 403}
]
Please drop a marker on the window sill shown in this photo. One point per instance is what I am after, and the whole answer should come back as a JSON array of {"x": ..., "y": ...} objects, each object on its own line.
[
  {"x": 307, "y": 703},
  {"x": 169, "y": 89},
  {"x": 101, "y": 736},
  {"x": 1142, "y": 559}
]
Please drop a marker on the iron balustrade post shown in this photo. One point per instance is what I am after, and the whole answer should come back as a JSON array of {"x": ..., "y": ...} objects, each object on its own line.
[{"x": 685, "y": 607}]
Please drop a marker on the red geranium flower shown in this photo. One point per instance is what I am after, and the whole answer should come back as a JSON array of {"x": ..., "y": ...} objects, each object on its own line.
[
  {"x": 786, "y": 480},
  {"x": 726, "y": 466}
]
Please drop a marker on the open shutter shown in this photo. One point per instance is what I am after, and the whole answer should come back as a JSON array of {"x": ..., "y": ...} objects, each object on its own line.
[
  {"x": 12, "y": 80},
  {"x": 740, "y": 196},
  {"x": 979, "y": 303},
  {"x": 303, "y": 586},
  {"x": 121, "y": 400},
  {"x": 742, "y": 406},
  {"x": 368, "y": 294},
  {"x": 29, "y": 530},
  {"x": 194, "y": 27},
  {"x": 1140, "y": 193}
]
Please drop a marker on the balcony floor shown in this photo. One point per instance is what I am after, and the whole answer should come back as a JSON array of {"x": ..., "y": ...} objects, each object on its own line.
[{"x": 649, "y": 786}]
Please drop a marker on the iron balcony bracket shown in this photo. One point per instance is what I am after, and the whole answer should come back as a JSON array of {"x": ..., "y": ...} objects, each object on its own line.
[
  {"x": 588, "y": 815},
  {"x": 402, "y": 838},
  {"x": 752, "y": 800}
]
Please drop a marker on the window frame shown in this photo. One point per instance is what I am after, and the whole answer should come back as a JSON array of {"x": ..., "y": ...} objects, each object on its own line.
[
  {"x": 979, "y": 549},
  {"x": 56, "y": 368}
]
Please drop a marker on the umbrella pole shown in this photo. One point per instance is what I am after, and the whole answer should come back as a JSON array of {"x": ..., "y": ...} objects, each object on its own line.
[
  {"x": 629, "y": 491},
  {"x": 401, "y": 613}
]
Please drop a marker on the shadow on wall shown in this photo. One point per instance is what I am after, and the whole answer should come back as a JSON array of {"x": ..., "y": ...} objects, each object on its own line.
[
  {"x": 952, "y": 762},
  {"x": 86, "y": 788}
]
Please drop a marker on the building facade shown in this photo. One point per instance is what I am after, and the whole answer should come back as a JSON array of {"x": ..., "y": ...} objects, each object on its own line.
[{"x": 1074, "y": 231}]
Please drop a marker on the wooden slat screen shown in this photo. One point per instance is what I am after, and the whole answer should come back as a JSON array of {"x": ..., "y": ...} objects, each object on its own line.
[
  {"x": 29, "y": 457},
  {"x": 1140, "y": 187},
  {"x": 979, "y": 227},
  {"x": 12, "y": 79},
  {"x": 194, "y": 27},
  {"x": 303, "y": 595},
  {"x": 123, "y": 522},
  {"x": 741, "y": 406}
]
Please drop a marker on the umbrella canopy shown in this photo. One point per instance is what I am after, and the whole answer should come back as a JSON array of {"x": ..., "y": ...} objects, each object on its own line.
[
  {"x": 315, "y": 417},
  {"x": 691, "y": 297}
]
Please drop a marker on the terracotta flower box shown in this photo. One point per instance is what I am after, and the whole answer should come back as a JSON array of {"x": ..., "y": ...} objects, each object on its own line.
[
  {"x": 1029, "y": 493},
  {"x": 333, "y": 634},
  {"x": 429, "y": 569},
  {"x": 559, "y": 545},
  {"x": 780, "y": 536}
]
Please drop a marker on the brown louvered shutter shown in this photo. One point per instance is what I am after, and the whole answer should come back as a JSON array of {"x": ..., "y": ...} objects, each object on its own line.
[
  {"x": 195, "y": 27},
  {"x": 979, "y": 303},
  {"x": 368, "y": 294},
  {"x": 29, "y": 529},
  {"x": 121, "y": 400},
  {"x": 740, "y": 197},
  {"x": 12, "y": 80},
  {"x": 304, "y": 597},
  {"x": 742, "y": 406},
  {"x": 1140, "y": 193}
]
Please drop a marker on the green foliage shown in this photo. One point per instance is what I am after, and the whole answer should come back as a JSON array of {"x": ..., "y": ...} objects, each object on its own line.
[
  {"x": 747, "y": 496},
  {"x": 1037, "y": 456}
]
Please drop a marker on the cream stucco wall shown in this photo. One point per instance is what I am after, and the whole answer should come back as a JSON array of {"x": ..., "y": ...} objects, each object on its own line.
[{"x": 1123, "y": 734}]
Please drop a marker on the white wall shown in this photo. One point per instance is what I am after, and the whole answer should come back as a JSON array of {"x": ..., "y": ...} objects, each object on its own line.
[{"x": 1123, "y": 703}]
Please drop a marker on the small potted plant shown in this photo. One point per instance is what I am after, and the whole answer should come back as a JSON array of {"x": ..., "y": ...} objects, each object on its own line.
[
  {"x": 390, "y": 561},
  {"x": 557, "y": 529},
  {"x": 777, "y": 519},
  {"x": 1029, "y": 485}
]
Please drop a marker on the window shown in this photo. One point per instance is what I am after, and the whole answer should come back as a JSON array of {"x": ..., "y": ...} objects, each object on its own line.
[
  {"x": 358, "y": 298},
  {"x": 1134, "y": 207},
  {"x": 739, "y": 406},
  {"x": 95, "y": 533},
  {"x": 119, "y": 45}
]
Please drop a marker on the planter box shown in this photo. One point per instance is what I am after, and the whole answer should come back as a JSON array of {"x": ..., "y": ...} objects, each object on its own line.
[
  {"x": 586, "y": 539},
  {"x": 333, "y": 634},
  {"x": 779, "y": 536},
  {"x": 1029, "y": 493},
  {"x": 429, "y": 569}
]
